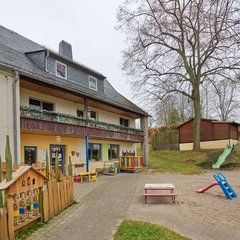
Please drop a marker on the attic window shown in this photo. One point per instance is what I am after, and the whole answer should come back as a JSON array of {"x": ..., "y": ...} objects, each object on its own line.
[
  {"x": 93, "y": 83},
  {"x": 61, "y": 69}
]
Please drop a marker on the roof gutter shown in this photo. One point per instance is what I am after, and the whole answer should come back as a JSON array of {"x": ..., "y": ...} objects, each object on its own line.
[{"x": 15, "y": 132}]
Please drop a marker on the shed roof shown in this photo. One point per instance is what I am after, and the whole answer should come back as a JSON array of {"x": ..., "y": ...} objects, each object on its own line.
[
  {"x": 19, "y": 172},
  {"x": 210, "y": 120}
]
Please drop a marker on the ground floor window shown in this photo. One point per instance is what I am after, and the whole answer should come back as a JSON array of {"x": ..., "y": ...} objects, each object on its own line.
[
  {"x": 95, "y": 151},
  {"x": 113, "y": 152},
  {"x": 30, "y": 155}
]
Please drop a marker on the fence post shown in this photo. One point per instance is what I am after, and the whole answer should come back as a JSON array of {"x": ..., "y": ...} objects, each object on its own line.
[{"x": 10, "y": 218}]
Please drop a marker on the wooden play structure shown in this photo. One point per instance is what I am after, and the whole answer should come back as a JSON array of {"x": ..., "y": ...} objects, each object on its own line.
[
  {"x": 31, "y": 197},
  {"x": 130, "y": 162},
  {"x": 22, "y": 195}
]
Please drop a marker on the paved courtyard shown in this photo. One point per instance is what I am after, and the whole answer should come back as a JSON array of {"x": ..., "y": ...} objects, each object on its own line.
[
  {"x": 103, "y": 205},
  {"x": 100, "y": 207}
]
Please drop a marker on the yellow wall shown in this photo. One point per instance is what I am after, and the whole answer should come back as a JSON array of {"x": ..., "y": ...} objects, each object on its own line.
[
  {"x": 67, "y": 107},
  {"x": 208, "y": 145},
  {"x": 43, "y": 142}
]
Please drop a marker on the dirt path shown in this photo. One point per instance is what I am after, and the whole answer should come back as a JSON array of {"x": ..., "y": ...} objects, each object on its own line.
[{"x": 202, "y": 216}]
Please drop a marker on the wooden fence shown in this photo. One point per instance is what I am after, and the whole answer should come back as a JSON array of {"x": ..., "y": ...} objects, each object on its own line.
[
  {"x": 164, "y": 138},
  {"x": 53, "y": 197},
  {"x": 57, "y": 197}
]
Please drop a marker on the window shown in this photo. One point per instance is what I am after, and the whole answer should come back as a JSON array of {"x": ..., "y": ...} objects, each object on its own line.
[
  {"x": 30, "y": 155},
  {"x": 124, "y": 122},
  {"x": 35, "y": 104},
  {"x": 61, "y": 69},
  {"x": 95, "y": 151},
  {"x": 93, "y": 115},
  {"x": 80, "y": 113},
  {"x": 40, "y": 105},
  {"x": 93, "y": 83},
  {"x": 113, "y": 152}
]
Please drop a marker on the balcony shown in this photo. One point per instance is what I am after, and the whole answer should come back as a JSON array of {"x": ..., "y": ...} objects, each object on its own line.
[{"x": 34, "y": 120}]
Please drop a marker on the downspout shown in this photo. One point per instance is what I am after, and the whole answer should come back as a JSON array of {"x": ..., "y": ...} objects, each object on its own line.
[{"x": 15, "y": 133}]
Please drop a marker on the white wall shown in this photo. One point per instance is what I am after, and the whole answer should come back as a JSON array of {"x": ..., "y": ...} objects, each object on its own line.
[
  {"x": 6, "y": 113},
  {"x": 67, "y": 107},
  {"x": 60, "y": 105}
]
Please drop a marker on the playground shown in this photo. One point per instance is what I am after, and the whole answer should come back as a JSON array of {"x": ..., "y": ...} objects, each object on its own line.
[
  {"x": 200, "y": 216},
  {"x": 207, "y": 215}
]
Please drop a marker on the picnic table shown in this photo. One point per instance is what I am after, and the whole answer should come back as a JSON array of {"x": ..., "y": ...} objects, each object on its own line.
[{"x": 158, "y": 187}]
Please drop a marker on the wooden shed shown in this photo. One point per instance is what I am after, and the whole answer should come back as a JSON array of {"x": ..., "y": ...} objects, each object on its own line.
[
  {"x": 24, "y": 194},
  {"x": 214, "y": 134}
]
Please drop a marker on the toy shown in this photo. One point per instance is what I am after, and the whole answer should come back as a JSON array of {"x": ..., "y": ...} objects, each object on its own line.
[{"x": 223, "y": 183}]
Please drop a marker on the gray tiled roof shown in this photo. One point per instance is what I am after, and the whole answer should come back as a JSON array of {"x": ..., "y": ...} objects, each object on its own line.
[{"x": 12, "y": 53}]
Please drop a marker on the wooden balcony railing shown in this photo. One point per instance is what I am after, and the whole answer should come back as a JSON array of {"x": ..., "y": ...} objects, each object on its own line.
[{"x": 76, "y": 121}]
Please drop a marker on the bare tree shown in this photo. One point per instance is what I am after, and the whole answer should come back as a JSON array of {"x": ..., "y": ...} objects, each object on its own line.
[
  {"x": 176, "y": 45},
  {"x": 173, "y": 109},
  {"x": 226, "y": 100}
]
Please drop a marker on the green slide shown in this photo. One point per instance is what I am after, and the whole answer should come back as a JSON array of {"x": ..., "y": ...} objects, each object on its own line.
[{"x": 223, "y": 156}]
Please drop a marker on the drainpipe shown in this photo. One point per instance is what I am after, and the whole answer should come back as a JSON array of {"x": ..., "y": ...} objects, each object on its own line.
[{"x": 15, "y": 133}]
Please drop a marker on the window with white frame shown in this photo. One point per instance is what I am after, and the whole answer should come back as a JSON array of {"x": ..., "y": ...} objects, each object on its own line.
[
  {"x": 61, "y": 69},
  {"x": 95, "y": 151},
  {"x": 93, "y": 115},
  {"x": 80, "y": 113},
  {"x": 93, "y": 83},
  {"x": 124, "y": 122},
  {"x": 40, "y": 105},
  {"x": 113, "y": 152}
]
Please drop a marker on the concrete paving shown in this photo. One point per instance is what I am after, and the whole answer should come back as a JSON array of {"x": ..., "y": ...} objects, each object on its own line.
[{"x": 100, "y": 207}]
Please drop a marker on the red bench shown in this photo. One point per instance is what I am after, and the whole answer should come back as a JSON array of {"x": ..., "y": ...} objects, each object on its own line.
[
  {"x": 172, "y": 195},
  {"x": 149, "y": 187}
]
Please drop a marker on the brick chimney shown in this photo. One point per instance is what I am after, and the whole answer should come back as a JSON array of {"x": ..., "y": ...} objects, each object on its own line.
[{"x": 65, "y": 49}]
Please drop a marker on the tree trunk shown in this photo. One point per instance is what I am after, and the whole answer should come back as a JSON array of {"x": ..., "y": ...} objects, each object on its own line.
[{"x": 197, "y": 118}]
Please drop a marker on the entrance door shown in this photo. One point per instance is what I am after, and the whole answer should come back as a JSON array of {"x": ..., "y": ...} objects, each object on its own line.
[{"x": 60, "y": 149}]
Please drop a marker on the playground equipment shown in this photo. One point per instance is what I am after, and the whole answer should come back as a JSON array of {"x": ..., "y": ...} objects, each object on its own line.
[
  {"x": 223, "y": 156},
  {"x": 130, "y": 163},
  {"x": 202, "y": 190},
  {"x": 223, "y": 183}
]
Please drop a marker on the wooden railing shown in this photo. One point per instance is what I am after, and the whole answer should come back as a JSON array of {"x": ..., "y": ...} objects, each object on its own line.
[
  {"x": 74, "y": 120},
  {"x": 131, "y": 162}
]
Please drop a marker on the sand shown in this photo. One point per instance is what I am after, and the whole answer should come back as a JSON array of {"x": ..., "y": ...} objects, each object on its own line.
[{"x": 199, "y": 216}]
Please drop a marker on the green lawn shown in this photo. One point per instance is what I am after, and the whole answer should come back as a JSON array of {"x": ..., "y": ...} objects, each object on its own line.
[
  {"x": 190, "y": 162},
  {"x": 138, "y": 230}
]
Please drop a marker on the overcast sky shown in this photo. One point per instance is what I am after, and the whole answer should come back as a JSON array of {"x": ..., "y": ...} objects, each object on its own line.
[{"x": 87, "y": 24}]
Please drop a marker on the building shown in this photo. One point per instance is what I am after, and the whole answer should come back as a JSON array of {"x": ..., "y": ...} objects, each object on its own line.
[
  {"x": 213, "y": 134},
  {"x": 49, "y": 101}
]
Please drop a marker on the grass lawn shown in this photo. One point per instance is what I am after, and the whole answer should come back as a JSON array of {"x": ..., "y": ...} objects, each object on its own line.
[
  {"x": 27, "y": 232},
  {"x": 190, "y": 162},
  {"x": 138, "y": 230}
]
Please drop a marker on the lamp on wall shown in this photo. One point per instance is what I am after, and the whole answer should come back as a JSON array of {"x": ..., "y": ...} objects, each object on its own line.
[{"x": 73, "y": 153}]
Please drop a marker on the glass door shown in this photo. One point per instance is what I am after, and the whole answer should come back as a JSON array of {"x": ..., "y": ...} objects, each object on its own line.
[{"x": 60, "y": 149}]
